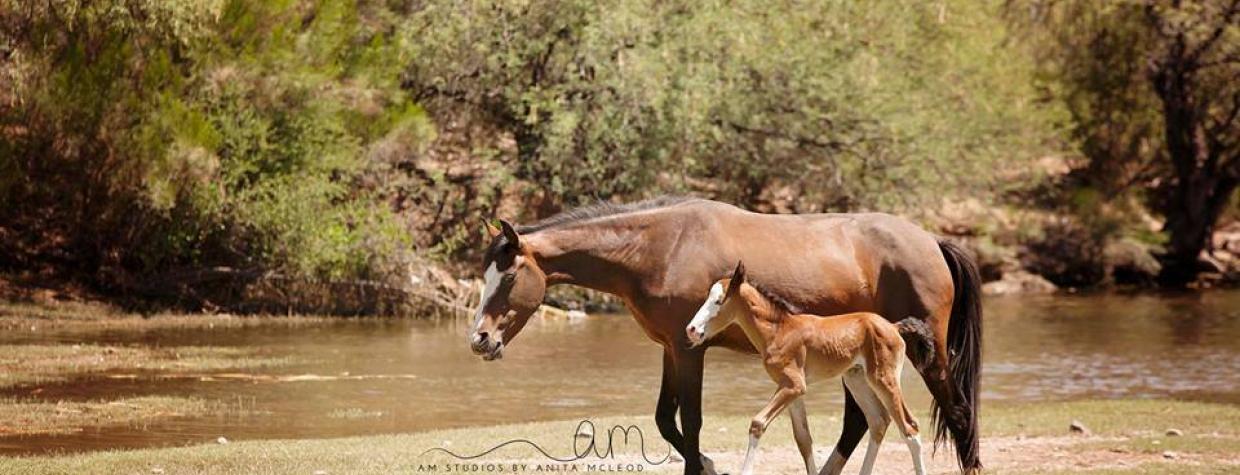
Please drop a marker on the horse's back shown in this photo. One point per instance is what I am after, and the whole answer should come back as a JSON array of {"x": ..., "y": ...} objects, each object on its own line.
[{"x": 832, "y": 263}]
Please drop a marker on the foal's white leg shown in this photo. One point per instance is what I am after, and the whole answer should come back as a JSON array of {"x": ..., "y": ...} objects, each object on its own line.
[
  {"x": 800, "y": 430},
  {"x": 875, "y": 415},
  {"x": 751, "y": 455},
  {"x": 914, "y": 447},
  {"x": 913, "y": 440},
  {"x": 785, "y": 395}
]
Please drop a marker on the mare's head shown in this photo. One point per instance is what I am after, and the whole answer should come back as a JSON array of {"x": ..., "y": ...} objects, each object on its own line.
[
  {"x": 722, "y": 307},
  {"x": 513, "y": 289}
]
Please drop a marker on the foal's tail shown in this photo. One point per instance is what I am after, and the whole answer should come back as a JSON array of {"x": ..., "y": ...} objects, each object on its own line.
[{"x": 964, "y": 348}]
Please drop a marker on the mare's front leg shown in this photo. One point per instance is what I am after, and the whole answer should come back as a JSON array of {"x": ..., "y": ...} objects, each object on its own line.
[
  {"x": 665, "y": 412},
  {"x": 689, "y": 362},
  {"x": 791, "y": 387},
  {"x": 800, "y": 431}
]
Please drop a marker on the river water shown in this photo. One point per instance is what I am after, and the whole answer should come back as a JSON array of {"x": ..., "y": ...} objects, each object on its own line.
[{"x": 370, "y": 376}]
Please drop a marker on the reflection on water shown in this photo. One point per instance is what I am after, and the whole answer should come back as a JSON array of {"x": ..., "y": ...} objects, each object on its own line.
[{"x": 364, "y": 377}]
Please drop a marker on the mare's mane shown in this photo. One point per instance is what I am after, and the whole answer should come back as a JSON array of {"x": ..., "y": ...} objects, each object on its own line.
[{"x": 599, "y": 210}]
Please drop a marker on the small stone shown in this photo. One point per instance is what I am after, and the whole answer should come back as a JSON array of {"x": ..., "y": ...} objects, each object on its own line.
[
  {"x": 1078, "y": 428},
  {"x": 157, "y": 470},
  {"x": 1156, "y": 442},
  {"x": 723, "y": 429},
  {"x": 1169, "y": 455},
  {"x": 1174, "y": 432},
  {"x": 221, "y": 440},
  {"x": 320, "y": 472}
]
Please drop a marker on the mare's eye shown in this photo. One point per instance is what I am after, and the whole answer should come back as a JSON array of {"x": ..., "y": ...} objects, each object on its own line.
[{"x": 508, "y": 278}]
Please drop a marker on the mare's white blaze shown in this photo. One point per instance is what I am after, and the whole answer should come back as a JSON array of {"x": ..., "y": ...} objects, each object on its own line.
[
  {"x": 490, "y": 282},
  {"x": 708, "y": 310}
]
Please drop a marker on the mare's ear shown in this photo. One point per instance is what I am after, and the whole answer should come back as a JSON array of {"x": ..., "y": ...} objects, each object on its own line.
[
  {"x": 510, "y": 234},
  {"x": 492, "y": 231},
  {"x": 738, "y": 277}
]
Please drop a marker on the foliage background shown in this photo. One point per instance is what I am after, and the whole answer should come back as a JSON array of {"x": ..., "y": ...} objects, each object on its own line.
[{"x": 153, "y": 148}]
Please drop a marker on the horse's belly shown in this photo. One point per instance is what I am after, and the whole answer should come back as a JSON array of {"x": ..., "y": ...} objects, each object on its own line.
[{"x": 821, "y": 368}]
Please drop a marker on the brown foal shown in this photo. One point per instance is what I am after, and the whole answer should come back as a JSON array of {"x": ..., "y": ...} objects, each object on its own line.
[{"x": 864, "y": 348}]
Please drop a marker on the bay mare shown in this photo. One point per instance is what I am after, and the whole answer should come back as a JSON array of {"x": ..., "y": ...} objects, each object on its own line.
[{"x": 661, "y": 256}]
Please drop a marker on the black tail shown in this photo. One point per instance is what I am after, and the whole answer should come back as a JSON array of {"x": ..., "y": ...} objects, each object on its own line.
[{"x": 964, "y": 349}]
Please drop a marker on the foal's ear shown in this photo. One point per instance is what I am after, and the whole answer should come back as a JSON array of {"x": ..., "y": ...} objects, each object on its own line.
[
  {"x": 510, "y": 234},
  {"x": 492, "y": 231},
  {"x": 738, "y": 277}
]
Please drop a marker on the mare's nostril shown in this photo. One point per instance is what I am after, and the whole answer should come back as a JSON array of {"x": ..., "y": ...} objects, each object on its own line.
[{"x": 482, "y": 337}]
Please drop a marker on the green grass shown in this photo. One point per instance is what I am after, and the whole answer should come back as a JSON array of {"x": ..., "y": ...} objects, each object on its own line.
[{"x": 1211, "y": 440}]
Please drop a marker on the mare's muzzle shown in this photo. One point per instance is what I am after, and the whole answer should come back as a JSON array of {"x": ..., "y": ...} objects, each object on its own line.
[{"x": 490, "y": 348}]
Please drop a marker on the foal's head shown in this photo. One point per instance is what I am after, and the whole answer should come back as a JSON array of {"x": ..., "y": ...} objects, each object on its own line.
[
  {"x": 722, "y": 307},
  {"x": 513, "y": 289}
]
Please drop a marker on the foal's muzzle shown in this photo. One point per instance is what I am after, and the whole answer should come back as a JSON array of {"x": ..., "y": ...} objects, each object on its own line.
[{"x": 695, "y": 335}]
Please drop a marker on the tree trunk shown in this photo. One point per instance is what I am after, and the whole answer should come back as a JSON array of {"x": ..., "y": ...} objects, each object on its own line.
[
  {"x": 1202, "y": 186},
  {"x": 1196, "y": 206},
  {"x": 1207, "y": 169}
]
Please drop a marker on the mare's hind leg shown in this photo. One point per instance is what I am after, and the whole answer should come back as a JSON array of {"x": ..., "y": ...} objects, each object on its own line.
[
  {"x": 875, "y": 415},
  {"x": 800, "y": 430},
  {"x": 936, "y": 374}
]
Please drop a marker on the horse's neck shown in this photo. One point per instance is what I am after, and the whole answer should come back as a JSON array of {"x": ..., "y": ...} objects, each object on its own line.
[
  {"x": 760, "y": 328},
  {"x": 602, "y": 256}
]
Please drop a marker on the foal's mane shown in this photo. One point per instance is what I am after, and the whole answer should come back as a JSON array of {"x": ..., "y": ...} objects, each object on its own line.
[
  {"x": 778, "y": 300},
  {"x": 599, "y": 210}
]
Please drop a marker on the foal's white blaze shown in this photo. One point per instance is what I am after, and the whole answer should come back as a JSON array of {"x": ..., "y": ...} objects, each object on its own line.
[{"x": 706, "y": 312}]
